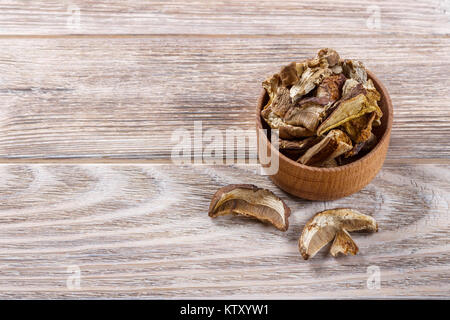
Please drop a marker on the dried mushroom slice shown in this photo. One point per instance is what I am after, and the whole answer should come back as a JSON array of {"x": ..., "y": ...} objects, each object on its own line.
[
  {"x": 343, "y": 243},
  {"x": 334, "y": 225},
  {"x": 282, "y": 103},
  {"x": 362, "y": 146},
  {"x": 346, "y": 110},
  {"x": 298, "y": 145},
  {"x": 286, "y": 131},
  {"x": 360, "y": 129},
  {"x": 310, "y": 78},
  {"x": 350, "y": 90},
  {"x": 352, "y": 87},
  {"x": 293, "y": 132},
  {"x": 301, "y": 67},
  {"x": 295, "y": 148},
  {"x": 251, "y": 201},
  {"x": 373, "y": 96},
  {"x": 348, "y": 87},
  {"x": 330, "y": 88},
  {"x": 325, "y": 64},
  {"x": 333, "y": 145},
  {"x": 331, "y": 56},
  {"x": 288, "y": 75},
  {"x": 355, "y": 70},
  {"x": 275, "y": 113},
  {"x": 271, "y": 86},
  {"x": 308, "y": 116}
]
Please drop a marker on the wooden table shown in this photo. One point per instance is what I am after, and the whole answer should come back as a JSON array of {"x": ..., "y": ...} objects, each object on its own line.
[{"x": 91, "y": 92}]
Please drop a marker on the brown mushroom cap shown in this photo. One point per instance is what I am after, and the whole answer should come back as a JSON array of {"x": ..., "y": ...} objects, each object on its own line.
[
  {"x": 334, "y": 224},
  {"x": 251, "y": 201}
]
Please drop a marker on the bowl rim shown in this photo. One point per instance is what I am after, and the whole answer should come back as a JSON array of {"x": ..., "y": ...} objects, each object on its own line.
[{"x": 386, "y": 135}]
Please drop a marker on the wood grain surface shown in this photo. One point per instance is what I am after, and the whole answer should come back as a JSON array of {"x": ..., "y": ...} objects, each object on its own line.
[
  {"x": 86, "y": 116},
  {"x": 254, "y": 17},
  {"x": 123, "y": 97},
  {"x": 143, "y": 231}
]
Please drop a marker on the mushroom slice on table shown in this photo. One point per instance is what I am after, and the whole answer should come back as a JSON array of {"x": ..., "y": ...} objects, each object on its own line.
[
  {"x": 251, "y": 201},
  {"x": 334, "y": 225}
]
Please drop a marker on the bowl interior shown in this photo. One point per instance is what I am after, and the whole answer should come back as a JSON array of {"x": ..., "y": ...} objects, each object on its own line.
[{"x": 381, "y": 132}]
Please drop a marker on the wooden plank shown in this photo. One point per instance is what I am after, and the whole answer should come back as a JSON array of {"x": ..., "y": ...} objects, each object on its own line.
[
  {"x": 123, "y": 97},
  {"x": 311, "y": 17},
  {"x": 142, "y": 231}
]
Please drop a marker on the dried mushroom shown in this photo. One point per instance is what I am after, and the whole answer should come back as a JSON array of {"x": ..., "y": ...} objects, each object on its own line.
[
  {"x": 355, "y": 70},
  {"x": 286, "y": 131},
  {"x": 330, "y": 55},
  {"x": 346, "y": 110},
  {"x": 276, "y": 113},
  {"x": 333, "y": 145},
  {"x": 308, "y": 116},
  {"x": 334, "y": 225},
  {"x": 271, "y": 85},
  {"x": 360, "y": 129},
  {"x": 288, "y": 75},
  {"x": 348, "y": 87},
  {"x": 310, "y": 78},
  {"x": 295, "y": 148},
  {"x": 281, "y": 103},
  {"x": 300, "y": 145},
  {"x": 331, "y": 87},
  {"x": 325, "y": 100},
  {"x": 362, "y": 146},
  {"x": 251, "y": 201},
  {"x": 373, "y": 97}
]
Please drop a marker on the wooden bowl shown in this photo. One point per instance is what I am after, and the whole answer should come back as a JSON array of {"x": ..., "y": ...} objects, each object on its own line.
[{"x": 330, "y": 183}]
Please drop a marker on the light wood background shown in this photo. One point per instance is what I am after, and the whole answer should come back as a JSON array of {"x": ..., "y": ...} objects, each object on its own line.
[{"x": 86, "y": 116}]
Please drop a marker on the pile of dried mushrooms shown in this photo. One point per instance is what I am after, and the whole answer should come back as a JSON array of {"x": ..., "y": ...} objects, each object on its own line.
[
  {"x": 324, "y": 109},
  {"x": 326, "y": 226}
]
